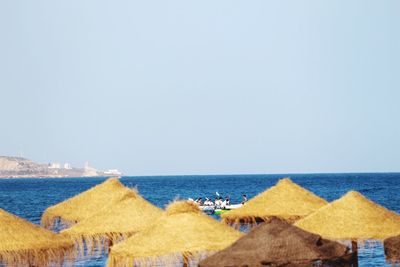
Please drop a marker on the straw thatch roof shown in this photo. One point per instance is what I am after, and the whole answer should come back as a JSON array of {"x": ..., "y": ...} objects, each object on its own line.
[
  {"x": 392, "y": 248},
  {"x": 352, "y": 217},
  {"x": 182, "y": 232},
  {"x": 85, "y": 204},
  {"x": 114, "y": 223},
  {"x": 278, "y": 243},
  {"x": 25, "y": 244},
  {"x": 285, "y": 200}
]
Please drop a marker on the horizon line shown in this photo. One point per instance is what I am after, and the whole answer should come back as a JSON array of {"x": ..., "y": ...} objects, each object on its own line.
[{"x": 257, "y": 174}]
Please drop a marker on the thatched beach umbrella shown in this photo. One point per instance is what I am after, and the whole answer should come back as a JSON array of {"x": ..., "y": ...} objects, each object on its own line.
[
  {"x": 285, "y": 200},
  {"x": 183, "y": 233},
  {"x": 114, "y": 223},
  {"x": 278, "y": 243},
  {"x": 392, "y": 249},
  {"x": 352, "y": 217},
  {"x": 25, "y": 244},
  {"x": 85, "y": 204}
]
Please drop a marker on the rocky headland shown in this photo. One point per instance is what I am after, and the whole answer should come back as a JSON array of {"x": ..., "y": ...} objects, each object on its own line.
[{"x": 18, "y": 167}]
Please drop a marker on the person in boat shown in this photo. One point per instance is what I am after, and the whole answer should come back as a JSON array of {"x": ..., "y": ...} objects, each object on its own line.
[
  {"x": 218, "y": 202},
  {"x": 227, "y": 201},
  {"x": 208, "y": 202},
  {"x": 244, "y": 199},
  {"x": 200, "y": 201}
]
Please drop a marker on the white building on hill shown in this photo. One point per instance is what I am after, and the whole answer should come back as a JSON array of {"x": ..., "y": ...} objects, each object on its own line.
[{"x": 55, "y": 165}]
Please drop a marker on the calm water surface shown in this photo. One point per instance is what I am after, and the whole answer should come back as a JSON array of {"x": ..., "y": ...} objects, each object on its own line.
[{"x": 28, "y": 198}]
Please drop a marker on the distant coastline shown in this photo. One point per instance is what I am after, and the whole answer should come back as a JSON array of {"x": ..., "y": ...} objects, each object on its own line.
[{"x": 18, "y": 167}]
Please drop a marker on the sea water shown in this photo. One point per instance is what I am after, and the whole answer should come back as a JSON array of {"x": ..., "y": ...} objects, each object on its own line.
[{"x": 28, "y": 198}]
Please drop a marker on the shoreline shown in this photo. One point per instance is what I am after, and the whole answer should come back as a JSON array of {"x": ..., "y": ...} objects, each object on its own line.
[
  {"x": 195, "y": 175},
  {"x": 53, "y": 177}
]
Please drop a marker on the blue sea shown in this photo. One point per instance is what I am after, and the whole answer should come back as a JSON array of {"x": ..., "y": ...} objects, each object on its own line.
[{"x": 28, "y": 198}]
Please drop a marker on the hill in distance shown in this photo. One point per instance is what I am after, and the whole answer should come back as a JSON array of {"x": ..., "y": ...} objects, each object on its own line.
[{"x": 18, "y": 167}]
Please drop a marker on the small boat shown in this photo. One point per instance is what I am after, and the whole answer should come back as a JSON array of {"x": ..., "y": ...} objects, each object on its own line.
[
  {"x": 233, "y": 206},
  {"x": 217, "y": 210},
  {"x": 207, "y": 208}
]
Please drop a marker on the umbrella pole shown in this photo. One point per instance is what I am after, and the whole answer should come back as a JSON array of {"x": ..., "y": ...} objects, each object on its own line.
[
  {"x": 185, "y": 260},
  {"x": 110, "y": 243},
  {"x": 354, "y": 248}
]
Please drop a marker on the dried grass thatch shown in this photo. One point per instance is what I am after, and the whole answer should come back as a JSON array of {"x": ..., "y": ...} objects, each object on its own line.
[
  {"x": 85, "y": 204},
  {"x": 392, "y": 249},
  {"x": 285, "y": 200},
  {"x": 182, "y": 233},
  {"x": 25, "y": 244},
  {"x": 352, "y": 217},
  {"x": 278, "y": 243},
  {"x": 114, "y": 223}
]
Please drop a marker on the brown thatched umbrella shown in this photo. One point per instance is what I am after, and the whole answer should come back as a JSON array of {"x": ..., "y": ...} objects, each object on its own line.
[
  {"x": 182, "y": 233},
  {"x": 85, "y": 204},
  {"x": 114, "y": 223},
  {"x": 278, "y": 243},
  {"x": 285, "y": 200},
  {"x": 25, "y": 244},
  {"x": 352, "y": 217},
  {"x": 392, "y": 249}
]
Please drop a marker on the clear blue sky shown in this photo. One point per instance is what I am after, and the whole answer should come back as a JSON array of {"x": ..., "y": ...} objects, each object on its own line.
[{"x": 201, "y": 87}]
